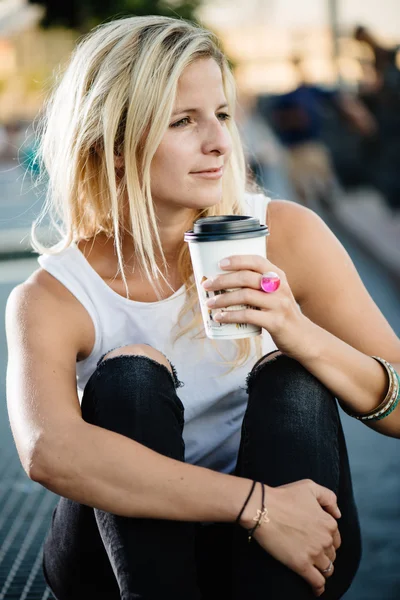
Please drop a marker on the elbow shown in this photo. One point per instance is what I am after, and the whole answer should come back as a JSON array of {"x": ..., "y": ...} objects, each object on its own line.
[
  {"x": 45, "y": 461},
  {"x": 27, "y": 447},
  {"x": 36, "y": 466},
  {"x": 35, "y": 474},
  {"x": 55, "y": 457}
]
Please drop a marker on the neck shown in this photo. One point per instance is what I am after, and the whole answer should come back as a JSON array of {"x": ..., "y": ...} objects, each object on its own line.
[{"x": 171, "y": 228}]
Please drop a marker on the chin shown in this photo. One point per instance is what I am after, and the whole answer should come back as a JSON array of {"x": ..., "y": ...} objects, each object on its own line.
[{"x": 206, "y": 198}]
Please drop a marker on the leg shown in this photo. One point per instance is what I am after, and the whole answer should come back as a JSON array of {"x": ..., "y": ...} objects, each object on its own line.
[
  {"x": 75, "y": 563},
  {"x": 132, "y": 392},
  {"x": 292, "y": 431}
]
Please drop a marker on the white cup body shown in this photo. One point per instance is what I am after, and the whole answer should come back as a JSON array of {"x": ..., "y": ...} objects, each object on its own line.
[{"x": 205, "y": 257}]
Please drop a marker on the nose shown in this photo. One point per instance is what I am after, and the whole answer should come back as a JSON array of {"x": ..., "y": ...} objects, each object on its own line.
[{"x": 217, "y": 138}]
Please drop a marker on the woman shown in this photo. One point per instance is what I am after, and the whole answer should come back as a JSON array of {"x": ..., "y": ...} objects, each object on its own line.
[{"x": 162, "y": 485}]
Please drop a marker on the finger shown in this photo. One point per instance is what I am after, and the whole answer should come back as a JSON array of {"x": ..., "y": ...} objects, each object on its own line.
[
  {"x": 325, "y": 566},
  {"x": 246, "y": 315},
  {"x": 315, "y": 578},
  {"x": 327, "y": 499},
  {"x": 238, "y": 279},
  {"x": 239, "y": 298},
  {"x": 253, "y": 262},
  {"x": 319, "y": 591},
  {"x": 331, "y": 553},
  {"x": 337, "y": 540}
]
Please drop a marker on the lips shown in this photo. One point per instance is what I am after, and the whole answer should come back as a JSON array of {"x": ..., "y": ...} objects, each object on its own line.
[{"x": 216, "y": 170}]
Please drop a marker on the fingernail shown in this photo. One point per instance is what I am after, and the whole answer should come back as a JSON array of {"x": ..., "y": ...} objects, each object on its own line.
[
  {"x": 225, "y": 262},
  {"x": 207, "y": 284},
  {"x": 211, "y": 301}
]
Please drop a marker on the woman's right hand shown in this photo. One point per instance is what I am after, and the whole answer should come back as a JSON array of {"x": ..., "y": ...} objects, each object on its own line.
[{"x": 302, "y": 532}]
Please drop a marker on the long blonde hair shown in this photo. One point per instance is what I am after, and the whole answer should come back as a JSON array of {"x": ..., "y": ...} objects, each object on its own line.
[{"x": 115, "y": 98}]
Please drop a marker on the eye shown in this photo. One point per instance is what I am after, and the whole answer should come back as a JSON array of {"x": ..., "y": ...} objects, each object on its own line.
[
  {"x": 186, "y": 120},
  {"x": 181, "y": 123}
]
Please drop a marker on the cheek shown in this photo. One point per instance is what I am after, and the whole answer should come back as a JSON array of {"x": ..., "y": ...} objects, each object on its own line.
[{"x": 170, "y": 161}]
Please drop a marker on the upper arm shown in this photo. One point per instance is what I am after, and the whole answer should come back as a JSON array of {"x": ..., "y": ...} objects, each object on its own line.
[
  {"x": 42, "y": 344},
  {"x": 326, "y": 283}
]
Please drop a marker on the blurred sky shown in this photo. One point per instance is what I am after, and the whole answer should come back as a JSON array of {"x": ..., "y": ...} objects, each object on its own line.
[{"x": 383, "y": 16}]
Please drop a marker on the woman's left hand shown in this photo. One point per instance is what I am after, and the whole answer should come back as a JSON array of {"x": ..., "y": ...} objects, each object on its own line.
[{"x": 277, "y": 312}]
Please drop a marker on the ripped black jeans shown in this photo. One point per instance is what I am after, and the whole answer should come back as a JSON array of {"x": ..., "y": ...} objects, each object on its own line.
[{"x": 291, "y": 431}]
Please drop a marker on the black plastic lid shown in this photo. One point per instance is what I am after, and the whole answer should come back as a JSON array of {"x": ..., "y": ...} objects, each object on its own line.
[{"x": 225, "y": 227}]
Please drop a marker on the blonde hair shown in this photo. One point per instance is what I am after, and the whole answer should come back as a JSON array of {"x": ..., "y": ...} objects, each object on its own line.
[{"x": 115, "y": 99}]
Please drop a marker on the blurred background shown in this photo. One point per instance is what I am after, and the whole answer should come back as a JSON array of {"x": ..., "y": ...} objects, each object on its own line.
[{"x": 319, "y": 111}]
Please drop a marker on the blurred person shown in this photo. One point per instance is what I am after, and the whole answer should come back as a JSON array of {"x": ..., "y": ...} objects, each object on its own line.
[
  {"x": 387, "y": 87},
  {"x": 163, "y": 486},
  {"x": 381, "y": 153},
  {"x": 297, "y": 118}
]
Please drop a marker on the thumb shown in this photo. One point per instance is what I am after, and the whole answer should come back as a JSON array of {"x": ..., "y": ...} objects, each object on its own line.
[{"x": 327, "y": 500}]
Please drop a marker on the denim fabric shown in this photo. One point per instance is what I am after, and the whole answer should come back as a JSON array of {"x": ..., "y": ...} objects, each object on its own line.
[{"x": 291, "y": 430}]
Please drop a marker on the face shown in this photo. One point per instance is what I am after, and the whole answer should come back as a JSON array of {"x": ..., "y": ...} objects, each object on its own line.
[{"x": 197, "y": 141}]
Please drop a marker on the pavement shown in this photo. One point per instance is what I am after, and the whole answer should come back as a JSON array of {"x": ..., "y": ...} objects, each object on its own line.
[
  {"x": 366, "y": 217},
  {"x": 369, "y": 232}
]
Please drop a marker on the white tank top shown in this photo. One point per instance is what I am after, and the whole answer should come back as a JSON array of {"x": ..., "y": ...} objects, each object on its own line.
[{"x": 214, "y": 402}]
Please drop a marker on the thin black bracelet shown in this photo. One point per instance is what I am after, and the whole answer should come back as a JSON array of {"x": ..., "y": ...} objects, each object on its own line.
[
  {"x": 260, "y": 513},
  {"x": 246, "y": 502}
]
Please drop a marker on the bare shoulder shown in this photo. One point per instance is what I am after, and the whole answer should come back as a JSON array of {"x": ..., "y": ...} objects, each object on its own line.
[
  {"x": 290, "y": 222},
  {"x": 42, "y": 302},
  {"x": 295, "y": 232},
  {"x": 303, "y": 246}
]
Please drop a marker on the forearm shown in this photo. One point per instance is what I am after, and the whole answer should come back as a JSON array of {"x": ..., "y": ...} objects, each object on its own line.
[
  {"x": 358, "y": 381},
  {"x": 109, "y": 471}
]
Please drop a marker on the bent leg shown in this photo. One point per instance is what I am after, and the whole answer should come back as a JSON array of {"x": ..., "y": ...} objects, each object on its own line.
[
  {"x": 292, "y": 431},
  {"x": 75, "y": 563},
  {"x": 133, "y": 392}
]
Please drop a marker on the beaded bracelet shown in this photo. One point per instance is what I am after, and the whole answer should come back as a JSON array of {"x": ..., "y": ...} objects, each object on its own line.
[
  {"x": 394, "y": 404},
  {"x": 391, "y": 400}
]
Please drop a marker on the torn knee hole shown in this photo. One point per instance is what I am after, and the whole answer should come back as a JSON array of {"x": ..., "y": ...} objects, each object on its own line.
[
  {"x": 139, "y": 350},
  {"x": 269, "y": 358}
]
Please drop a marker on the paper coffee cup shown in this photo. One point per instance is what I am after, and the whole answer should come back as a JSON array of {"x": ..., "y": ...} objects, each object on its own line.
[{"x": 211, "y": 240}]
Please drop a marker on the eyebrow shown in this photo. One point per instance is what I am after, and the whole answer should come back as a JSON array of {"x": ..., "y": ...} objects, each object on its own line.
[{"x": 187, "y": 110}]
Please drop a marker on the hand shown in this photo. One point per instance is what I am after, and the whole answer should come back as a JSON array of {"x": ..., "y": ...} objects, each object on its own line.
[
  {"x": 302, "y": 532},
  {"x": 276, "y": 312},
  {"x": 358, "y": 114},
  {"x": 365, "y": 123}
]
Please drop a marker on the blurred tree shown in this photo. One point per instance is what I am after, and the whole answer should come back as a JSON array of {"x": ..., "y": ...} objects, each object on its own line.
[{"x": 85, "y": 14}]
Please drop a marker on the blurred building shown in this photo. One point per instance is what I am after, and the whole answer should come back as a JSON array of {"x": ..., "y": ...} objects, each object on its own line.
[
  {"x": 260, "y": 37},
  {"x": 28, "y": 57},
  {"x": 259, "y": 48}
]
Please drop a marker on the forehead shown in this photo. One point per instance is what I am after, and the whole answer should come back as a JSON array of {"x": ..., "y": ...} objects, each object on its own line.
[{"x": 200, "y": 80}]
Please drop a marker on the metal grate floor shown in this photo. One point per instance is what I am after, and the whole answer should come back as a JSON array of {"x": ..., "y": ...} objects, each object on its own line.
[{"x": 25, "y": 514}]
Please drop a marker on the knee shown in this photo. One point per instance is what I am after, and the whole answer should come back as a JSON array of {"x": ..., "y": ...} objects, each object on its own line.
[
  {"x": 138, "y": 350},
  {"x": 132, "y": 392},
  {"x": 286, "y": 380},
  {"x": 270, "y": 357}
]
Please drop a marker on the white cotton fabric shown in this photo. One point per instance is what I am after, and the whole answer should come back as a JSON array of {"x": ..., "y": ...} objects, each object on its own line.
[{"x": 214, "y": 402}]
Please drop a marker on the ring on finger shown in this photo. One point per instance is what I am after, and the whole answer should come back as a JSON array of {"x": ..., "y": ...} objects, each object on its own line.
[
  {"x": 329, "y": 569},
  {"x": 270, "y": 282}
]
